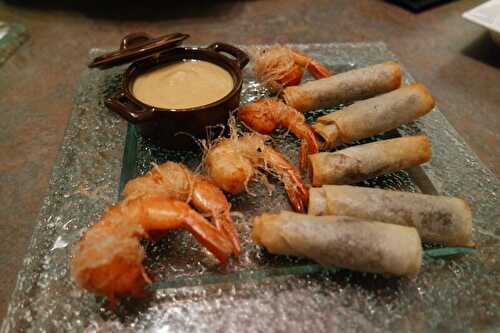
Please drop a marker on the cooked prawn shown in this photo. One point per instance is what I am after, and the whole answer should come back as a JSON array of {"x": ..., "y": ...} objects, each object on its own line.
[
  {"x": 267, "y": 114},
  {"x": 175, "y": 181},
  {"x": 232, "y": 162},
  {"x": 108, "y": 259},
  {"x": 280, "y": 66}
]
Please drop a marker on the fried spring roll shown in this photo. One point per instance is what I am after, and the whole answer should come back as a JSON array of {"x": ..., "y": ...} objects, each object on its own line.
[
  {"x": 357, "y": 163},
  {"x": 341, "y": 241},
  {"x": 375, "y": 115},
  {"x": 344, "y": 87},
  {"x": 438, "y": 219}
]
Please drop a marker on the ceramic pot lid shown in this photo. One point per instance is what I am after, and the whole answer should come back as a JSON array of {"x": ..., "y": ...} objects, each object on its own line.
[{"x": 136, "y": 46}]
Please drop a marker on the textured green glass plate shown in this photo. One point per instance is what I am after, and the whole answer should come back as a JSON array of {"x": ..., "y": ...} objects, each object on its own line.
[
  {"x": 461, "y": 294},
  {"x": 140, "y": 155}
]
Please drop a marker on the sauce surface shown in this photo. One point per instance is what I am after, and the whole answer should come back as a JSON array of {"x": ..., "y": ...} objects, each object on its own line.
[{"x": 181, "y": 85}]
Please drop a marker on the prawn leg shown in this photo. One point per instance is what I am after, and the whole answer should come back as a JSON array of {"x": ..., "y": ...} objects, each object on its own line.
[
  {"x": 317, "y": 70},
  {"x": 280, "y": 66},
  {"x": 308, "y": 146},
  {"x": 161, "y": 215},
  {"x": 265, "y": 115},
  {"x": 175, "y": 181},
  {"x": 232, "y": 163},
  {"x": 207, "y": 197},
  {"x": 108, "y": 259},
  {"x": 298, "y": 194}
]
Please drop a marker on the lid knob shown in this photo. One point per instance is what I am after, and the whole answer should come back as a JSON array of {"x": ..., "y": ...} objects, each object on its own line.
[{"x": 133, "y": 40}]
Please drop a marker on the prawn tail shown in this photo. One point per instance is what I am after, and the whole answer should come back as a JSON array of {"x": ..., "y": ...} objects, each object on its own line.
[
  {"x": 308, "y": 146},
  {"x": 298, "y": 196},
  {"x": 297, "y": 192},
  {"x": 224, "y": 223},
  {"x": 303, "y": 153},
  {"x": 317, "y": 70},
  {"x": 309, "y": 143},
  {"x": 209, "y": 236}
]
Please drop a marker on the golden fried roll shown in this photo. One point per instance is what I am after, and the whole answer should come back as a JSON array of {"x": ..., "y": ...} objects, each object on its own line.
[
  {"x": 357, "y": 163},
  {"x": 375, "y": 115},
  {"x": 438, "y": 219},
  {"x": 344, "y": 87},
  {"x": 342, "y": 241}
]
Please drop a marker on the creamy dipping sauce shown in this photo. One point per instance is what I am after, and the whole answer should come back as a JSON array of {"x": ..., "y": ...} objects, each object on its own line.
[{"x": 182, "y": 85}]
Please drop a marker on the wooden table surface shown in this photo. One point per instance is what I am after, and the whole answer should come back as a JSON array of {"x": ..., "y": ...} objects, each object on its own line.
[{"x": 454, "y": 58}]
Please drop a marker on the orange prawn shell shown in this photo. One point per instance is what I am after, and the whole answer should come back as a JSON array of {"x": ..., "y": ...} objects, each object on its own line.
[
  {"x": 175, "y": 181},
  {"x": 170, "y": 179},
  {"x": 280, "y": 66},
  {"x": 275, "y": 68},
  {"x": 108, "y": 260},
  {"x": 232, "y": 162},
  {"x": 232, "y": 177}
]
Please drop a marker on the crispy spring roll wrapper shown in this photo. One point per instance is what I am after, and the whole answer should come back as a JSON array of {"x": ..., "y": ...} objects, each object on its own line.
[
  {"x": 342, "y": 241},
  {"x": 355, "y": 164},
  {"x": 344, "y": 87},
  {"x": 375, "y": 115},
  {"x": 438, "y": 219}
]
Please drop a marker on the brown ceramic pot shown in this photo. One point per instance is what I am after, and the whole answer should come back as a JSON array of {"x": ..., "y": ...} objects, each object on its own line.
[{"x": 175, "y": 128}]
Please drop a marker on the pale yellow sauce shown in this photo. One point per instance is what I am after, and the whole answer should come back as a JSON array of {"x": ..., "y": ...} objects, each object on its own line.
[{"x": 183, "y": 85}]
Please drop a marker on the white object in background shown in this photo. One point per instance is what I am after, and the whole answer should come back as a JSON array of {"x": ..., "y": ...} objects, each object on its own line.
[{"x": 488, "y": 16}]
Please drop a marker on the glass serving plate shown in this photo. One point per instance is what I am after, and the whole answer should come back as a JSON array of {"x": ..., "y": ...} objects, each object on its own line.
[{"x": 454, "y": 291}]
